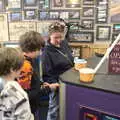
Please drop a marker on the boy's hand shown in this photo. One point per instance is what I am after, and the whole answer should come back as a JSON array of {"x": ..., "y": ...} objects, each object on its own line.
[
  {"x": 45, "y": 84},
  {"x": 54, "y": 86}
]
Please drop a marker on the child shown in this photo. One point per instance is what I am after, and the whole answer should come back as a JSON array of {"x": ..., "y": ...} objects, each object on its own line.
[
  {"x": 31, "y": 43},
  {"x": 14, "y": 103}
]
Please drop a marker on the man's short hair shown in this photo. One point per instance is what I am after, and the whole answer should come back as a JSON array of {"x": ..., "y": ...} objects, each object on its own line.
[{"x": 56, "y": 27}]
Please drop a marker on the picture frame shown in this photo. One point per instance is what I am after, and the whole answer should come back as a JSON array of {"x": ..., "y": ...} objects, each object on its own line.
[
  {"x": 88, "y": 2},
  {"x": 64, "y": 15},
  {"x": 88, "y": 12},
  {"x": 57, "y": 3},
  {"x": 101, "y": 2},
  {"x": 74, "y": 26},
  {"x": 30, "y": 14},
  {"x": 114, "y": 36},
  {"x": 116, "y": 28},
  {"x": 102, "y": 14},
  {"x": 74, "y": 15},
  {"x": 30, "y": 3},
  {"x": 13, "y": 5},
  {"x": 15, "y": 16},
  {"x": 44, "y": 15},
  {"x": 103, "y": 33},
  {"x": 44, "y": 4},
  {"x": 88, "y": 24},
  {"x": 82, "y": 36},
  {"x": 73, "y": 4},
  {"x": 11, "y": 44},
  {"x": 2, "y": 6},
  {"x": 54, "y": 15},
  {"x": 114, "y": 11}
]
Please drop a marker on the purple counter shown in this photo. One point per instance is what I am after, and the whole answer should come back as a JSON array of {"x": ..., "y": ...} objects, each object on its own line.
[{"x": 99, "y": 100}]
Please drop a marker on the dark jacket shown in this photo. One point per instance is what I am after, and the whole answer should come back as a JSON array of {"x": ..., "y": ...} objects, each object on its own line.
[
  {"x": 54, "y": 61},
  {"x": 36, "y": 91}
]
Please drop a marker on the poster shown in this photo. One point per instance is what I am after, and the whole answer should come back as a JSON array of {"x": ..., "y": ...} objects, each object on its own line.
[
  {"x": 3, "y": 27},
  {"x": 16, "y": 29}
]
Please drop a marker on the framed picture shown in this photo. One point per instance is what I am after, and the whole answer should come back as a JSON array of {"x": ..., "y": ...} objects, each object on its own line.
[
  {"x": 11, "y": 44},
  {"x": 114, "y": 11},
  {"x": 44, "y": 4},
  {"x": 114, "y": 36},
  {"x": 13, "y": 5},
  {"x": 83, "y": 36},
  {"x": 101, "y": 2},
  {"x": 54, "y": 15},
  {"x": 102, "y": 14},
  {"x": 74, "y": 26},
  {"x": 116, "y": 28},
  {"x": 88, "y": 24},
  {"x": 88, "y": 12},
  {"x": 74, "y": 14},
  {"x": 43, "y": 15},
  {"x": 16, "y": 29},
  {"x": 103, "y": 33},
  {"x": 30, "y": 4},
  {"x": 57, "y": 3},
  {"x": 15, "y": 16},
  {"x": 30, "y": 14},
  {"x": 2, "y": 6},
  {"x": 73, "y": 3},
  {"x": 64, "y": 15},
  {"x": 88, "y": 2}
]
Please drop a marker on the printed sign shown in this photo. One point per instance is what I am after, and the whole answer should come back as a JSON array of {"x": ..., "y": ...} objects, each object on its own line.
[
  {"x": 114, "y": 60},
  {"x": 16, "y": 29}
]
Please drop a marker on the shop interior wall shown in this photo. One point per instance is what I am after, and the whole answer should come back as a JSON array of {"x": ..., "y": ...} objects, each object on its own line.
[{"x": 93, "y": 24}]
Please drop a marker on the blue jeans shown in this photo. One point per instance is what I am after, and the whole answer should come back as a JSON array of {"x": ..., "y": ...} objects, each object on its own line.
[{"x": 53, "y": 110}]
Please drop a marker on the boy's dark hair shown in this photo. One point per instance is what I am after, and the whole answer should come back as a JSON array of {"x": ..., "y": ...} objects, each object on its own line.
[
  {"x": 10, "y": 59},
  {"x": 31, "y": 41}
]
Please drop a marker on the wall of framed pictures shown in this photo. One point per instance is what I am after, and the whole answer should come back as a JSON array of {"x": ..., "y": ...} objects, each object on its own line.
[{"x": 100, "y": 19}]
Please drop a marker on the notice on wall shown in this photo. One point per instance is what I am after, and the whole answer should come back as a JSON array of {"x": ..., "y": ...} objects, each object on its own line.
[
  {"x": 3, "y": 27},
  {"x": 16, "y": 29},
  {"x": 114, "y": 60}
]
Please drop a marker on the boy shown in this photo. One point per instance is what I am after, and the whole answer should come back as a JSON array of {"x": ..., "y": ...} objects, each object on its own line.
[
  {"x": 30, "y": 44},
  {"x": 14, "y": 103}
]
